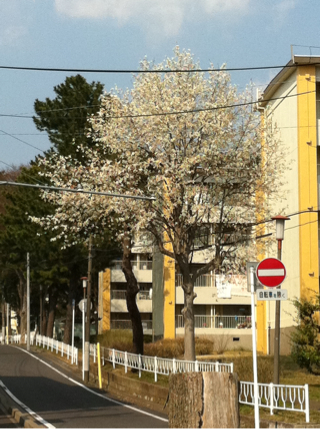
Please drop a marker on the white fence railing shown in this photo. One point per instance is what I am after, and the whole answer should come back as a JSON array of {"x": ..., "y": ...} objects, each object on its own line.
[
  {"x": 156, "y": 365},
  {"x": 58, "y": 346},
  {"x": 272, "y": 396},
  {"x": 277, "y": 397},
  {"x": 16, "y": 339}
]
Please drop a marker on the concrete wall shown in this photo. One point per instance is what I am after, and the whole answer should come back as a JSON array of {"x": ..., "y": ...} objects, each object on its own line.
[
  {"x": 142, "y": 276},
  {"x": 120, "y": 305},
  {"x": 208, "y": 296}
]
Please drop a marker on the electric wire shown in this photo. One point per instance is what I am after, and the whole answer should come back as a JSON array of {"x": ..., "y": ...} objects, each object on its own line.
[
  {"x": 130, "y": 71},
  {"x": 182, "y": 112}
]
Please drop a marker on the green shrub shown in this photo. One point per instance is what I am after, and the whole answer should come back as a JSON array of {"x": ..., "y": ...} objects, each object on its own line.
[{"x": 305, "y": 339}]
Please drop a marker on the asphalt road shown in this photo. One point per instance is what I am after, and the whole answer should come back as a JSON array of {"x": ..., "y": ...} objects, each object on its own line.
[{"x": 63, "y": 403}]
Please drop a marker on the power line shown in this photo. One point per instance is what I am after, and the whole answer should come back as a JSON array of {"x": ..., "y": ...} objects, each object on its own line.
[
  {"x": 123, "y": 71},
  {"x": 248, "y": 103},
  {"x": 22, "y": 141},
  {"x": 77, "y": 191}
]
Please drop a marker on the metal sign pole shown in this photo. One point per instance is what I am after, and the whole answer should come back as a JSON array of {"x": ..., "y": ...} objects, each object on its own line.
[
  {"x": 83, "y": 324},
  {"x": 28, "y": 302},
  {"x": 72, "y": 339},
  {"x": 254, "y": 352}
]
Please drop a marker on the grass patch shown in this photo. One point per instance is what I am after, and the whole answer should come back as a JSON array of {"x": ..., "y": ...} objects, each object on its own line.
[{"x": 122, "y": 340}]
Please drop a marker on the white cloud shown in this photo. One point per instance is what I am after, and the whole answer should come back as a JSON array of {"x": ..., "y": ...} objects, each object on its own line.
[
  {"x": 14, "y": 26},
  {"x": 12, "y": 34},
  {"x": 281, "y": 10},
  {"x": 167, "y": 16}
]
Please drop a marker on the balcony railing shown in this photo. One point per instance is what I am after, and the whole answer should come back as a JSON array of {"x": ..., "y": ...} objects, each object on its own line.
[
  {"x": 206, "y": 280},
  {"x": 237, "y": 282},
  {"x": 121, "y": 294},
  {"x": 217, "y": 322},
  {"x": 136, "y": 265},
  {"x": 126, "y": 324}
]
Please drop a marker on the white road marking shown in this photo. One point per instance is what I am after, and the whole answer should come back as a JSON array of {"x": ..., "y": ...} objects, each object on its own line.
[
  {"x": 271, "y": 272},
  {"x": 27, "y": 409},
  {"x": 91, "y": 391}
]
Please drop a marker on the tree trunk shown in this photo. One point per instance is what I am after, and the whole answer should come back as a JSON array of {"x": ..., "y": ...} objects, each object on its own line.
[
  {"x": 132, "y": 290},
  {"x": 52, "y": 313},
  {"x": 188, "y": 315},
  {"x": 22, "y": 292},
  {"x": 3, "y": 319},
  {"x": 67, "y": 338},
  {"x": 44, "y": 321},
  {"x": 23, "y": 318},
  {"x": 95, "y": 303},
  {"x": 204, "y": 400},
  {"x": 9, "y": 322}
]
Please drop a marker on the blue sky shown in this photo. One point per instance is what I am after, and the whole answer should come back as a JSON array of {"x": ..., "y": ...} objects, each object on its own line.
[{"x": 117, "y": 34}]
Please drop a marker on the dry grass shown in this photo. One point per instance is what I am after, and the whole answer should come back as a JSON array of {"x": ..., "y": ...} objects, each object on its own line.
[
  {"x": 122, "y": 340},
  {"x": 119, "y": 339},
  {"x": 221, "y": 343}
]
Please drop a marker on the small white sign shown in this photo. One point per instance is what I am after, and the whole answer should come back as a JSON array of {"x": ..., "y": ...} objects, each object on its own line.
[
  {"x": 272, "y": 295},
  {"x": 223, "y": 290},
  {"x": 83, "y": 305}
]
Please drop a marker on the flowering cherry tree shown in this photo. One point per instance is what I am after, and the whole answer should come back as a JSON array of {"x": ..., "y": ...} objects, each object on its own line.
[{"x": 193, "y": 142}]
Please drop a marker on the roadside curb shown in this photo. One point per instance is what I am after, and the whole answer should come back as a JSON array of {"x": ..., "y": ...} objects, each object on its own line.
[{"x": 15, "y": 411}]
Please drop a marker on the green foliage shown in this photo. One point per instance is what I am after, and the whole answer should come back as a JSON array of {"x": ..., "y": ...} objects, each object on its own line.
[
  {"x": 64, "y": 118},
  {"x": 306, "y": 337}
]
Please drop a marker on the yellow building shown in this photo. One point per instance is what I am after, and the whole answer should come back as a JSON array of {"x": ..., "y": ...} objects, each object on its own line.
[
  {"x": 292, "y": 101},
  {"x": 222, "y": 305}
]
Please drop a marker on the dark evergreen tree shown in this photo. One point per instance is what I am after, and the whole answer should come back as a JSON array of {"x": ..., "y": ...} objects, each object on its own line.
[{"x": 64, "y": 118}]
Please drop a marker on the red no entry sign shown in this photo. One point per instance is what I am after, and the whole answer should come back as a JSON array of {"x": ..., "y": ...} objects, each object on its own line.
[{"x": 271, "y": 272}]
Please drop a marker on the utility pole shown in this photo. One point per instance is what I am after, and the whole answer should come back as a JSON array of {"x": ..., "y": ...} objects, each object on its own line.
[
  {"x": 8, "y": 306},
  {"x": 87, "y": 332},
  {"x": 41, "y": 310},
  {"x": 3, "y": 321},
  {"x": 28, "y": 302},
  {"x": 280, "y": 220}
]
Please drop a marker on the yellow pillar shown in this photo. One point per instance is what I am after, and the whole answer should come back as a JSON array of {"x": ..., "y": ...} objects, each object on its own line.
[
  {"x": 106, "y": 300},
  {"x": 169, "y": 296},
  {"x": 308, "y": 192},
  {"x": 261, "y": 307}
]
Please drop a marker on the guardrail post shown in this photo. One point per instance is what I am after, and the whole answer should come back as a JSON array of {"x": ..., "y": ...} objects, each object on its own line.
[
  {"x": 61, "y": 349},
  {"x": 113, "y": 359},
  {"x": 231, "y": 367},
  {"x": 139, "y": 365},
  {"x": 77, "y": 356},
  {"x": 306, "y": 389},
  {"x": 174, "y": 368},
  {"x": 68, "y": 351},
  {"x": 52, "y": 344},
  {"x": 196, "y": 366},
  {"x": 125, "y": 362},
  {"x": 94, "y": 353},
  {"x": 217, "y": 366},
  {"x": 155, "y": 369},
  {"x": 271, "y": 399}
]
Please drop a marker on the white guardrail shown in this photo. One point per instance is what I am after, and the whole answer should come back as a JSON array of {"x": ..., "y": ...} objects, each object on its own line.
[
  {"x": 154, "y": 364},
  {"x": 50, "y": 343},
  {"x": 58, "y": 346},
  {"x": 277, "y": 397},
  {"x": 272, "y": 396}
]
